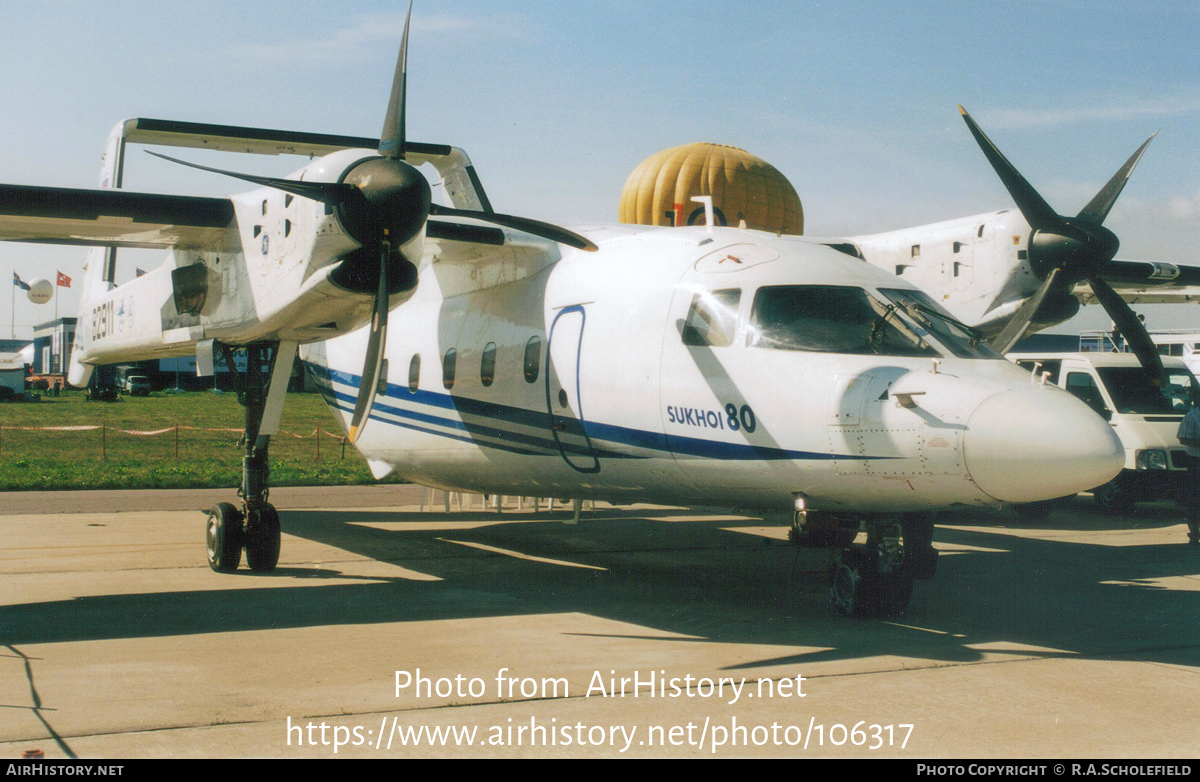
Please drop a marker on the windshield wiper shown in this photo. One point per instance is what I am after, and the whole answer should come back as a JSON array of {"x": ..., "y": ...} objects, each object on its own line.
[{"x": 975, "y": 334}]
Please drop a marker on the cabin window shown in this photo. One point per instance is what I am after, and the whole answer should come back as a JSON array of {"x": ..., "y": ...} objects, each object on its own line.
[
  {"x": 712, "y": 319},
  {"x": 448, "y": 362},
  {"x": 957, "y": 268},
  {"x": 287, "y": 200},
  {"x": 487, "y": 364},
  {"x": 287, "y": 227},
  {"x": 414, "y": 373},
  {"x": 533, "y": 358},
  {"x": 916, "y": 251},
  {"x": 979, "y": 233},
  {"x": 958, "y": 246},
  {"x": 264, "y": 206},
  {"x": 831, "y": 319}
]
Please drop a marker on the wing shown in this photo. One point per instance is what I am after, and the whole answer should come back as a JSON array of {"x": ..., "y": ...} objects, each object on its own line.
[
  {"x": 1147, "y": 282},
  {"x": 113, "y": 218},
  {"x": 468, "y": 257}
]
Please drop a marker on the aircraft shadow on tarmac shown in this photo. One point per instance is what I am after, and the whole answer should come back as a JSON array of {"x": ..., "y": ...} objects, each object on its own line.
[{"x": 701, "y": 579}]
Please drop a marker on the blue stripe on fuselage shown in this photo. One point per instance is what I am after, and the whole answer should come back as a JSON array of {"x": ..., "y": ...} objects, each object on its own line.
[{"x": 472, "y": 430}]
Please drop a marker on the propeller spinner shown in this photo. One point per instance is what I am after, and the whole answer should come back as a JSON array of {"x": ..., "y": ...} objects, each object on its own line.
[{"x": 1066, "y": 250}]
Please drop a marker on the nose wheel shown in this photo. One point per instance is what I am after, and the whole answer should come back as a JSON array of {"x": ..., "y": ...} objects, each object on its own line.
[{"x": 875, "y": 579}]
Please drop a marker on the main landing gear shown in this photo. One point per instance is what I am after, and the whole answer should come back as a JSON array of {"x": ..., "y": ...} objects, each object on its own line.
[
  {"x": 872, "y": 579},
  {"x": 255, "y": 525}
]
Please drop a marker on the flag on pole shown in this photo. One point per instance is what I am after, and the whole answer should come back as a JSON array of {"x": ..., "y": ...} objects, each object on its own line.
[
  {"x": 17, "y": 281},
  {"x": 63, "y": 280}
]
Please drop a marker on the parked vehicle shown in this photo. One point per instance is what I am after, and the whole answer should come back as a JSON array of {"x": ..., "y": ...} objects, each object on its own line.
[
  {"x": 1144, "y": 416},
  {"x": 133, "y": 381}
]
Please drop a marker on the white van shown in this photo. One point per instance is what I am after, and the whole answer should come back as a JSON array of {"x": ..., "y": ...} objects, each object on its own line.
[{"x": 1144, "y": 416}]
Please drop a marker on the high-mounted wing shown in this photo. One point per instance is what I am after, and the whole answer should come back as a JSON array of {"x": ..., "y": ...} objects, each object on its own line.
[{"x": 115, "y": 218}]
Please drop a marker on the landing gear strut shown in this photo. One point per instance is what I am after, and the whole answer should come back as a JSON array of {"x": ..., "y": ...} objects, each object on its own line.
[
  {"x": 255, "y": 526},
  {"x": 875, "y": 579}
]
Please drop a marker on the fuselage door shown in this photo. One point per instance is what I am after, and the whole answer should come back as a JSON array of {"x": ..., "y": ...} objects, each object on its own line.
[{"x": 563, "y": 397}]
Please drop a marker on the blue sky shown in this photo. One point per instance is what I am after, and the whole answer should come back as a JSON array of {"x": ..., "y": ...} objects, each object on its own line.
[{"x": 557, "y": 102}]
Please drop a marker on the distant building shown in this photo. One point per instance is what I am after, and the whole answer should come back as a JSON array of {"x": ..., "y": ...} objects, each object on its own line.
[
  {"x": 12, "y": 375},
  {"x": 52, "y": 346}
]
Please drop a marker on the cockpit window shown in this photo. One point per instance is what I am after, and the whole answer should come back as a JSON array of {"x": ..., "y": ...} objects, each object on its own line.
[
  {"x": 712, "y": 319},
  {"x": 831, "y": 319},
  {"x": 960, "y": 339}
]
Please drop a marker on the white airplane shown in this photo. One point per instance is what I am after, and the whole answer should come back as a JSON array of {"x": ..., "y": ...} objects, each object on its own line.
[{"x": 471, "y": 350}]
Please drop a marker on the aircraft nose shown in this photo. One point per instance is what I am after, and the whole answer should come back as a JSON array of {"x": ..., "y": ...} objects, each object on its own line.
[{"x": 1037, "y": 444}]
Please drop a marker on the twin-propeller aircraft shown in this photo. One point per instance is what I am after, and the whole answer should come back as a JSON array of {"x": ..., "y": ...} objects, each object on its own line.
[{"x": 472, "y": 350}]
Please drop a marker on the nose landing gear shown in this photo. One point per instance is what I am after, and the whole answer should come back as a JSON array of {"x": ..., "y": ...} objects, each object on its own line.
[{"x": 875, "y": 579}]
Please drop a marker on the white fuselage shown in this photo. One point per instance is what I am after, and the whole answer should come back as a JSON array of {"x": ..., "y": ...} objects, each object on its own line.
[{"x": 573, "y": 379}]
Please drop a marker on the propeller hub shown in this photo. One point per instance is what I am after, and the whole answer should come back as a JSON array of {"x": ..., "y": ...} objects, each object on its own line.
[
  {"x": 1079, "y": 248},
  {"x": 392, "y": 204}
]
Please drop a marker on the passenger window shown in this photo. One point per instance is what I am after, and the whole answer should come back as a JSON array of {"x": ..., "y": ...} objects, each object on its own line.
[
  {"x": 712, "y": 319},
  {"x": 1083, "y": 385},
  {"x": 487, "y": 365},
  {"x": 533, "y": 358},
  {"x": 414, "y": 373},
  {"x": 448, "y": 362},
  {"x": 831, "y": 319}
]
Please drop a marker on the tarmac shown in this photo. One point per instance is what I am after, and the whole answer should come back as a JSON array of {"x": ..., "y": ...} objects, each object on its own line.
[{"x": 390, "y": 631}]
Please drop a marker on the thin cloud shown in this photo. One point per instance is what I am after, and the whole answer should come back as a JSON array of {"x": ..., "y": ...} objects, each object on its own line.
[
  {"x": 1173, "y": 106},
  {"x": 366, "y": 35}
]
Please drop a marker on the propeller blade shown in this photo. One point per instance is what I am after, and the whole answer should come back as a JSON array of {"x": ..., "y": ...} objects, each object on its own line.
[
  {"x": 1037, "y": 212},
  {"x": 391, "y": 140},
  {"x": 332, "y": 193},
  {"x": 1098, "y": 208},
  {"x": 374, "y": 364},
  {"x": 1019, "y": 324},
  {"x": 458, "y": 232},
  {"x": 1133, "y": 329},
  {"x": 535, "y": 227}
]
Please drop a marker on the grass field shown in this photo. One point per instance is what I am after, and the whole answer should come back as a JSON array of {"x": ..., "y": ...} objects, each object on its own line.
[{"x": 200, "y": 448}]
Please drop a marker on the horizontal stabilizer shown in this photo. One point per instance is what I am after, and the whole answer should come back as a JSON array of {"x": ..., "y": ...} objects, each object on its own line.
[
  {"x": 258, "y": 141},
  {"x": 115, "y": 218}
]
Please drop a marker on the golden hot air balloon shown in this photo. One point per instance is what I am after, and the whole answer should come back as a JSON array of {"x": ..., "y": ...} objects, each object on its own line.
[{"x": 743, "y": 188}]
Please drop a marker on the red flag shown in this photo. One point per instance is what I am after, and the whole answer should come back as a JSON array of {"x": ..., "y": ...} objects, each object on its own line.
[{"x": 63, "y": 280}]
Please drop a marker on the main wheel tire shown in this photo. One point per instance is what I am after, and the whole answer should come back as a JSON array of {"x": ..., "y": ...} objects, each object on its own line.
[
  {"x": 223, "y": 538},
  {"x": 262, "y": 540}
]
